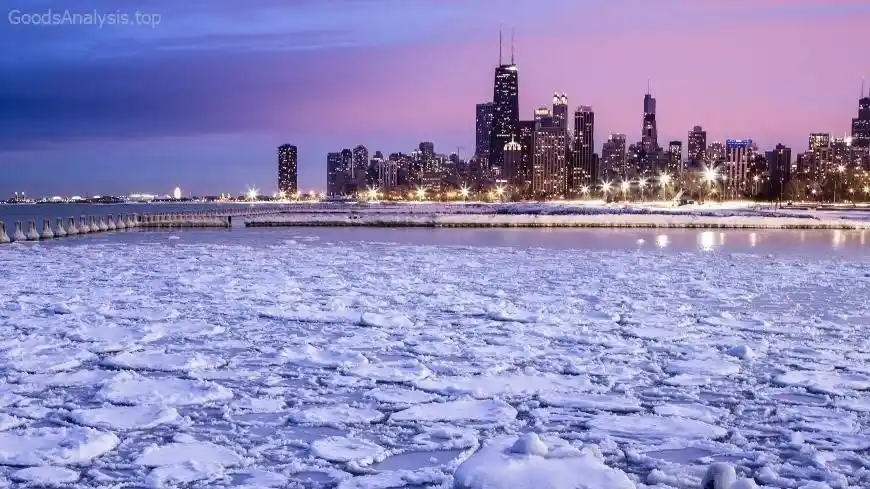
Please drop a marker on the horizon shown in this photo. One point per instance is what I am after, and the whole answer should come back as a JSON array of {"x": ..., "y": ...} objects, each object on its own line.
[{"x": 203, "y": 99}]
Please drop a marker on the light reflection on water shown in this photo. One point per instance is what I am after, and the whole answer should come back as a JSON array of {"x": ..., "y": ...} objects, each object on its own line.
[{"x": 813, "y": 243}]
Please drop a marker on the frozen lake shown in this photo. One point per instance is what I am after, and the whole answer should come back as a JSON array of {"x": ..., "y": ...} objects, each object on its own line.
[{"x": 383, "y": 358}]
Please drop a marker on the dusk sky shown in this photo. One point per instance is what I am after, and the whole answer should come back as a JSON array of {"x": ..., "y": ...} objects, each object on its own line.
[{"x": 203, "y": 99}]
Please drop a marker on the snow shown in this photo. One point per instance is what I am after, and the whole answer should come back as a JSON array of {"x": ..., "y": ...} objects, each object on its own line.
[
  {"x": 46, "y": 476},
  {"x": 483, "y": 411},
  {"x": 340, "y": 449},
  {"x": 340, "y": 362},
  {"x": 129, "y": 388},
  {"x": 124, "y": 418},
  {"x": 60, "y": 446},
  {"x": 531, "y": 463}
]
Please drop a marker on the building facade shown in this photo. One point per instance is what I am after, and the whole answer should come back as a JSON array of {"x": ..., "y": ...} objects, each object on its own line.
[
  {"x": 505, "y": 111},
  {"x": 483, "y": 129},
  {"x": 738, "y": 155},
  {"x": 287, "y": 169},
  {"x": 334, "y": 176},
  {"x": 549, "y": 165},
  {"x": 560, "y": 111},
  {"x": 584, "y": 170},
  {"x": 696, "y": 148},
  {"x": 675, "y": 158},
  {"x": 649, "y": 133},
  {"x": 613, "y": 159}
]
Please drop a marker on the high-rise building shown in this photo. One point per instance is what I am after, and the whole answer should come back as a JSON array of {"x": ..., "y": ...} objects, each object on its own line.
[
  {"x": 613, "y": 161},
  {"x": 359, "y": 166},
  {"x": 779, "y": 167},
  {"x": 584, "y": 170},
  {"x": 649, "y": 134},
  {"x": 675, "y": 158},
  {"x": 560, "y": 111},
  {"x": 483, "y": 129},
  {"x": 544, "y": 117},
  {"x": 696, "y": 149},
  {"x": 526, "y": 140},
  {"x": 287, "y": 169},
  {"x": 505, "y": 110},
  {"x": 513, "y": 161},
  {"x": 334, "y": 177},
  {"x": 738, "y": 154},
  {"x": 819, "y": 140},
  {"x": 715, "y": 154},
  {"x": 348, "y": 186},
  {"x": 549, "y": 162},
  {"x": 861, "y": 124}
]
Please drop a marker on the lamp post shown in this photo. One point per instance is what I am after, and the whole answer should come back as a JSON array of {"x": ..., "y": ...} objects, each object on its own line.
[
  {"x": 841, "y": 170},
  {"x": 710, "y": 176},
  {"x": 605, "y": 188},
  {"x": 625, "y": 186},
  {"x": 642, "y": 184},
  {"x": 664, "y": 179},
  {"x": 463, "y": 192}
]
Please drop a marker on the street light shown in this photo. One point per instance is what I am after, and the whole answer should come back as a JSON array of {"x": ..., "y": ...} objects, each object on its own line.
[
  {"x": 373, "y": 193},
  {"x": 664, "y": 180},
  {"x": 253, "y": 193},
  {"x": 584, "y": 190},
  {"x": 625, "y": 186},
  {"x": 499, "y": 191},
  {"x": 642, "y": 184},
  {"x": 840, "y": 169},
  {"x": 464, "y": 193},
  {"x": 421, "y": 193}
]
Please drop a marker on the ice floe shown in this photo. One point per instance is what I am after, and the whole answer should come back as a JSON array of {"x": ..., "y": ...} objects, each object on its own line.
[
  {"x": 126, "y": 388},
  {"x": 46, "y": 476},
  {"x": 340, "y": 449},
  {"x": 531, "y": 462},
  {"x": 645, "y": 428},
  {"x": 54, "y": 446},
  {"x": 336, "y": 415},
  {"x": 125, "y": 417},
  {"x": 484, "y": 411}
]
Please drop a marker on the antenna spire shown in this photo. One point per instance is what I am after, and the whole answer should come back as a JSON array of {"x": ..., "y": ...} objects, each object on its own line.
[
  {"x": 647, "y": 86},
  {"x": 512, "y": 45},
  {"x": 499, "y": 46},
  {"x": 862, "y": 87}
]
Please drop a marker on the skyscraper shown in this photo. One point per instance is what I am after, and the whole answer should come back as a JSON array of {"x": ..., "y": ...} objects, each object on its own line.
[
  {"x": 549, "y": 163},
  {"x": 861, "y": 124},
  {"x": 584, "y": 170},
  {"x": 334, "y": 178},
  {"x": 483, "y": 129},
  {"x": 287, "y": 169},
  {"x": 715, "y": 154},
  {"x": 696, "y": 149},
  {"x": 513, "y": 160},
  {"x": 818, "y": 140},
  {"x": 505, "y": 110},
  {"x": 560, "y": 111},
  {"x": 675, "y": 158},
  {"x": 613, "y": 162},
  {"x": 347, "y": 182},
  {"x": 649, "y": 134},
  {"x": 738, "y": 153},
  {"x": 779, "y": 165},
  {"x": 360, "y": 164},
  {"x": 526, "y": 140},
  {"x": 543, "y": 117}
]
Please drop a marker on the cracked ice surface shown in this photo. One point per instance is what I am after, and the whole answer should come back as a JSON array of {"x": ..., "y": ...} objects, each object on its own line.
[{"x": 305, "y": 363}]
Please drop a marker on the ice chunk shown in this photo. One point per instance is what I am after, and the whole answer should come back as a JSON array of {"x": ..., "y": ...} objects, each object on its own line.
[
  {"x": 497, "y": 466},
  {"x": 703, "y": 367},
  {"x": 193, "y": 453},
  {"x": 837, "y": 383},
  {"x": 701, "y": 412},
  {"x": 172, "y": 476},
  {"x": 399, "y": 395},
  {"x": 609, "y": 402},
  {"x": 45, "y": 476},
  {"x": 7, "y": 421},
  {"x": 336, "y": 415},
  {"x": 341, "y": 449},
  {"x": 486, "y": 411},
  {"x": 530, "y": 444},
  {"x": 125, "y": 417},
  {"x": 45, "y": 360},
  {"x": 54, "y": 446},
  {"x": 127, "y": 388},
  {"x": 164, "y": 362},
  {"x": 743, "y": 352},
  {"x": 111, "y": 338},
  {"x": 648, "y": 428},
  {"x": 310, "y": 356},
  {"x": 486, "y": 386},
  {"x": 390, "y": 321},
  {"x": 395, "y": 371}
]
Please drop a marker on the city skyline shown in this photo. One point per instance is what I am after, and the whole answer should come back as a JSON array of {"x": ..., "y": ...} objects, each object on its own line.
[{"x": 198, "y": 145}]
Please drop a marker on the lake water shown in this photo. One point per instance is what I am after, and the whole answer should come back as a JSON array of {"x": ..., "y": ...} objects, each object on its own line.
[{"x": 777, "y": 242}]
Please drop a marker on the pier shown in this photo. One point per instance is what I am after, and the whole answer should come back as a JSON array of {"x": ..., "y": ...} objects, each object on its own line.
[{"x": 65, "y": 227}]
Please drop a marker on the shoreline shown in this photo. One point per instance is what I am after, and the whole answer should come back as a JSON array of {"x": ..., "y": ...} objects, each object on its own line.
[{"x": 624, "y": 221}]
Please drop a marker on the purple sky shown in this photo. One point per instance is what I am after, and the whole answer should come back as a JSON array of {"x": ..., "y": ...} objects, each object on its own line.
[{"x": 203, "y": 99}]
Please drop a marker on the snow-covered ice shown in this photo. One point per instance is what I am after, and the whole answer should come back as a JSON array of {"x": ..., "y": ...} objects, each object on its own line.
[{"x": 294, "y": 362}]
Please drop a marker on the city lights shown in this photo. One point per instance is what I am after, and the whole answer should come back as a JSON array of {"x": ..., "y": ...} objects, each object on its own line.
[
  {"x": 253, "y": 193},
  {"x": 421, "y": 193}
]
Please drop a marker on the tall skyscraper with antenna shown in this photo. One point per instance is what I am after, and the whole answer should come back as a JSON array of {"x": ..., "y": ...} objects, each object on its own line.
[
  {"x": 505, "y": 108},
  {"x": 649, "y": 135},
  {"x": 861, "y": 124}
]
